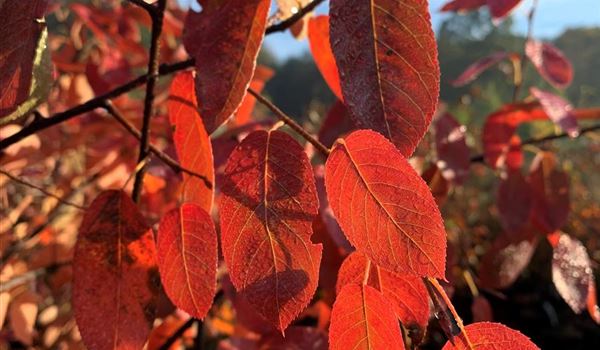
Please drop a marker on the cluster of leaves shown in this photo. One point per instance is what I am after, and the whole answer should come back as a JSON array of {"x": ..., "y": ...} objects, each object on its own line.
[{"x": 342, "y": 230}]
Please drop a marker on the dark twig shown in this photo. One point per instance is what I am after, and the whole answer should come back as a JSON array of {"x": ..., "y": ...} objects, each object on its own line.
[
  {"x": 523, "y": 62},
  {"x": 290, "y": 122},
  {"x": 150, "y": 8},
  {"x": 283, "y": 25},
  {"x": 175, "y": 336},
  {"x": 157, "y": 152},
  {"x": 29, "y": 184},
  {"x": 157, "y": 24}
]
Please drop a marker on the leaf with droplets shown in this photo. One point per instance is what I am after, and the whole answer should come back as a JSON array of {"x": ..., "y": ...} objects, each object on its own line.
[
  {"x": 572, "y": 273},
  {"x": 19, "y": 38},
  {"x": 480, "y": 66},
  {"x": 504, "y": 261},
  {"x": 550, "y": 193},
  {"x": 115, "y": 279},
  {"x": 233, "y": 29},
  {"x": 187, "y": 258},
  {"x": 550, "y": 62},
  {"x": 384, "y": 207},
  {"x": 452, "y": 150},
  {"x": 192, "y": 144},
  {"x": 407, "y": 294},
  {"x": 363, "y": 319},
  {"x": 559, "y": 110},
  {"x": 318, "y": 38},
  {"x": 490, "y": 336},
  {"x": 514, "y": 201},
  {"x": 387, "y": 57},
  {"x": 268, "y": 204}
]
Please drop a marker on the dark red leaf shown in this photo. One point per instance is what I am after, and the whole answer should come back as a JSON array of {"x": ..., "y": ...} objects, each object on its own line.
[
  {"x": 115, "y": 278},
  {"x": 192, "y": 144},
  {"x": 481, "y": 309},
  {"x": 296, "y": 338},
  {"x": 480, "y": 66},
  {"x": 233, "y": 30},
  {"x": 318, "y": 38},
  {"x": 377, "y": 196},
  {"x": 452, "y": 150},
  {"x": 559, "y": 110},
  {"x": 550, "y": 193},
  {"x": 501, "y": 8},
  {"x": 462, "y": 5},
  {"x": 19, "y": 36},
  {"x": 438, "y": 184},
  {"x": 336, "y": 124},
  {"x": 572, "y": 273},
  {"x": 550, "y": 62},
  {"x": 262, "y": 74},
  {"x": 504, "y": 261},
  {"x": 363, "y": 319},
  {"x": 267, "y": 207},
  {"x": 187, "y": 258},
  {"x": 387, "y": 57},
  {"x": 407, "y": 294},
  {"x": 514, "y": 201},
  {"x": 491, "y": 336}
]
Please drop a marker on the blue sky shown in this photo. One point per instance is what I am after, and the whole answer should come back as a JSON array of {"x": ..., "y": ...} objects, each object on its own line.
[{"x": 552, "y": 17}]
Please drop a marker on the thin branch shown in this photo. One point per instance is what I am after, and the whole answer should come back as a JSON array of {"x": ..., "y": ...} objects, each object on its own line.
[
  {"x": 150, "y": 8},
  {"x": 283, "y": 25},
  {"x": 157, "y": 24},
  {"x": 157, "y": 152},
  {"x": 523, "y": 62},
  {"x": 290, "y": 122},
  {"x": 175, "y": 336},
  {"x": 50, "y": 194}
]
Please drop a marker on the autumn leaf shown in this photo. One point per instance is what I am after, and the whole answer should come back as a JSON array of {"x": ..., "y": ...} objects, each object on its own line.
[
  {"x": 187, "y": 258},
  {"x": 387, "y": 57},
  {"x": 501, "y": 8},
  {"x": 337, "y": 123},
  {"x": 514, "y": 201},
  {"x": 505, "y": 260},
  {"x": 22, "y": 314},
  {"x": 318, "y": 39},
  {"x": 267, "y": 207},
  {"x": 115, "y": 279},
  {"x": 559, "y": 110},
  {"x": 452, "y": 151},
  {"x": 462, "y": 5},
  {"x": 243, "y": 115},
  {"x": 438, "y": 185},
  {"x": 475, "y": 69},
  {"x": 192, "y": 144},
  {"x": 377, "y": 196},
  {"x": 491, "y": 336},
  {"x": 363, "y": 319},
  {"x": 232, "y": 29},
  {"x": 296, "y": 338},
  {"x": 550, "y": 62}
]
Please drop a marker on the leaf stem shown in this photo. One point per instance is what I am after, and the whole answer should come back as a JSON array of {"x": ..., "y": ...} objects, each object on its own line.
[{"x": 290, "y": 122}]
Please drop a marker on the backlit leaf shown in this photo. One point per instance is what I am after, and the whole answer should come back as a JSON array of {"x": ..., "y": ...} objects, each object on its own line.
[
  {"x": 318, "y": 38},
  {"x": 192, "y": 144},
  {"x": 452, "y": 151},
  {"x": 572, "y": 272},
  {"x": 514, "y": 201},
  {"x": 491, "y": 336},
  {"x": 187, "y": 258},
  {"x": 558, "y": 109},
  {"x": 480, "y": 66},
  {"x": 115, "y": 278},
  {"x": 550, "y": 193},
  {"x": 384, "y": 207},
  {"x": 19, "y": 39},
  {"x": 387, "y": 57},
  {"x": 550, "y": 62},
  {"x": 462, "y": 5},
  {"x": 262, "y": 74},
  {"x": 504, "y": 261},
  {"x": 337, "y": 123},
  {"x": 501, "y": 8},
  {"x": 407, "y": 294},
  {"x": 363, "y": 319},
  {"x": 233, "y": 30},
  {"x": 267, "y": 208}
]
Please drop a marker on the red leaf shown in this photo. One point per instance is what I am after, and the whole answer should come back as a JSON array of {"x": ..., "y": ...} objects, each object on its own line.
[
  {"x": 336, "y": 124},
  {"x": 504, "y": 261},
  {"x": 462, "y": 5},
  {"x": 318, "y": 38},
  {"x": 192, "y": 144},
  {"x": 19, "y": 36},
  {"x": 572, "y": 273},
  {"x": 187, "y": 258},
  {"x": 481, "y": 309},
  {"x": 558, "y": 110},
  {"x": 233, "y": 29},
  {"x": 501, "y": 8},
  {"x": 387, "y": 57},
  {"x": 262, "y": 74},
  {"x": 377, "y": 196},
  {"x": 550, "y": 193},
  {"x": 407, "y": 294},
  {"x": 268, "y": 204},
  {"x": 363, "y": 319},
  {"x": 480, "y": 66},
  {"x": 452, "y": 150},
  {"x": 438, "y": 185},
  {"x": 514, "y": 201},
  {"x": 115, "y": 279},
  {"x": 296, "y": 338},
  {"x": 550, "y": 62},
  {"x": 491, "y": 336}
]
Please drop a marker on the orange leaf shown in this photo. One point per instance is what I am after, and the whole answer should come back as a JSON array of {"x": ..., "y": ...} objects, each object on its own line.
[
  {"x": 491, "y": 336},
  {"x": 22, "y": 314},
  {"x": 318, "y": 38}
]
